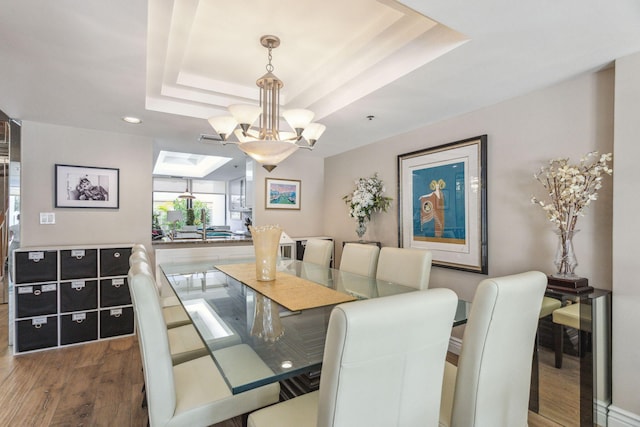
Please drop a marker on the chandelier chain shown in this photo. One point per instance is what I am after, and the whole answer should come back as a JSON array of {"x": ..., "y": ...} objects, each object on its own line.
[{"x": 269, "y": 67}]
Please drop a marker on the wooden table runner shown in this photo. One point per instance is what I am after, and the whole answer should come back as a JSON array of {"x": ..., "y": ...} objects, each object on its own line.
[{"x": 291, "y": 292}]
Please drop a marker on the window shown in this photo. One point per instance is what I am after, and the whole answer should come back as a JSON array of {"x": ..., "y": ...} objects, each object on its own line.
[{"x": 209, "y": 195}]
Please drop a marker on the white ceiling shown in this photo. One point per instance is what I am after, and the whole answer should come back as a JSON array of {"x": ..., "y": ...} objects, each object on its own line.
[{"x": 175, "y": 63}]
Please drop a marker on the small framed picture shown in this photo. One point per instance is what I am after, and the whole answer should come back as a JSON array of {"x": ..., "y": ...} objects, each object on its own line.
[
  {"x": 282, "y": 193},
  {"x": 86, "y": 187}
]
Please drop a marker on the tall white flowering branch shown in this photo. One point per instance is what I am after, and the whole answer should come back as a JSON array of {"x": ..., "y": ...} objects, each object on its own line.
[
  {"x": 571, "y": 188},
  {"x": 367, "y": 198}
]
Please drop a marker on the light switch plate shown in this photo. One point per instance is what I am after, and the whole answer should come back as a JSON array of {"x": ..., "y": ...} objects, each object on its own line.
[{"x": 47, "y": 218}]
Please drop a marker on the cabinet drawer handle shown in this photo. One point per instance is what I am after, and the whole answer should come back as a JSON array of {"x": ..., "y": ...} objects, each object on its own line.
[
  {"x": 117, "y": 315},
  {"x": 37, "y": 292},
  {"x": 38, "y": 326},
  {"x": 116, "y": 255},
  {"x": 78, "y": 321},
  {"x": 116, "y": 285}
]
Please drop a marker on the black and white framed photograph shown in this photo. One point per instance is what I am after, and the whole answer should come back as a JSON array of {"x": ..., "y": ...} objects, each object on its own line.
[
  {"x": 87, "y": 187},
  {"x": 442, "y": 203}
]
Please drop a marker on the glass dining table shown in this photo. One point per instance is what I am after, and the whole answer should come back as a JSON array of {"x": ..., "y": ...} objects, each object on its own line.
[{"x": 230, "y": 316}]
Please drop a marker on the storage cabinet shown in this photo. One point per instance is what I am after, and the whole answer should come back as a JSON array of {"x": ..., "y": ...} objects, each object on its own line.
[{"x": 65, "y": 296}]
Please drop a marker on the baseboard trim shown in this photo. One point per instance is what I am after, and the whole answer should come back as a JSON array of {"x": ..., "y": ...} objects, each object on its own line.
[
  {"x": 455, "y": 345},
  {"x": 601, "y": 411},
  {"x": 620, "y": 418}
]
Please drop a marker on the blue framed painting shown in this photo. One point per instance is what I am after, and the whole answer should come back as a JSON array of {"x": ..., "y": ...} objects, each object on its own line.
[
  {"x": 282, "y": 193},
  {"x": 442, "y": 203}
]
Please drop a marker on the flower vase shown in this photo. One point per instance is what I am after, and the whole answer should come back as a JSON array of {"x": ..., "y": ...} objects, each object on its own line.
[
  {"x": 565, "y": 259},
  {"x": 361, "y": 228},
  {"x": 266, "y": 240}
]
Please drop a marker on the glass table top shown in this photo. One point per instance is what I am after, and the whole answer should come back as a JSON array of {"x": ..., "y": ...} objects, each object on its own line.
[{"x": 238, "y": 323}]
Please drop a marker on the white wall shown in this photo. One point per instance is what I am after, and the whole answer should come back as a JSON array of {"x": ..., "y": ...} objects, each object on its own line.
[
  {"x": 625, "y": 409},
  {"x": 309, "y": 220},
  {"x": 44, "y": 145},
  {"x": 569, "y": 119}
]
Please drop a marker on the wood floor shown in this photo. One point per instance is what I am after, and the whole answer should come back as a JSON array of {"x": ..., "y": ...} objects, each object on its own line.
[{"x": 96, "y": 384}]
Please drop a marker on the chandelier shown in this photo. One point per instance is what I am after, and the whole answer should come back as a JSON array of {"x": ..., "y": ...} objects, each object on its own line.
[{"x": 267, "y": 144}]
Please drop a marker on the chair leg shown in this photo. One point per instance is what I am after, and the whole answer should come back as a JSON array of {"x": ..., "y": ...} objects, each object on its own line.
[
  {"x": 144, "y": 395},
  {"x": 534, "y": 394},
  {"x": 558, "y": 343}
]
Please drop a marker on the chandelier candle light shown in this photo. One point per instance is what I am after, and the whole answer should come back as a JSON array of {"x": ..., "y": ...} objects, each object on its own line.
[
  {"x": 366, "y": 199},
  {"x": 267, "y": 145},
  {"x": 571, "y": 188}
]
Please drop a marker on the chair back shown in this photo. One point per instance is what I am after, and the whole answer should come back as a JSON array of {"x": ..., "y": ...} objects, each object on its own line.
[
  {"x": 494, "y": 367},
  {"x": 138, "y": 256},
  {"x": 154, "y": 345},
  {"x": 360, "y": 259},
  {"x": 405, "y": 266},
  {"x": 138, "y": 247},
  {"x": 139, "y": 265},
  {"x": 384, "y": 360},
  {"x": 318, "y": 251}
]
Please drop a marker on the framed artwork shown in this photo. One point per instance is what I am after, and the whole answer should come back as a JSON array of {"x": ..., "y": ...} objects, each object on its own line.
[
  {"x": 87, "y": 187},
  {"x": 282, "y": 193},
  {"x": 442, "y": 203}
]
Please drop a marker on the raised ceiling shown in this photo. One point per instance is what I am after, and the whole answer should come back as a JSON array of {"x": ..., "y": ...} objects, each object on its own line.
[
  {"x": 411, "y": 63},
  {"x": 198, "y": 63}
]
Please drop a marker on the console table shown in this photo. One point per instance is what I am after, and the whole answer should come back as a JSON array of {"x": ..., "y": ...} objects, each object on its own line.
[{"x": 595, "y": 361}]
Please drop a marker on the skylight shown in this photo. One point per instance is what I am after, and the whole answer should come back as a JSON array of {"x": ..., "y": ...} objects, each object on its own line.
[{"x": 187, "y": 164}]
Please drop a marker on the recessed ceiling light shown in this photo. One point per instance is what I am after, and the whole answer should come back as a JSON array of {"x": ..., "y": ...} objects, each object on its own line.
[{"x": 133, "y": 120}]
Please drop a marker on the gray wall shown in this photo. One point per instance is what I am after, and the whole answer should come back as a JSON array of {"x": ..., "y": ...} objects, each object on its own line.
[
  {"x": 569, "y": 119},
  {"x": 309, "y": 220},
  {"x": 44, "y": 145},
  {"x": 625, "y": 409}
]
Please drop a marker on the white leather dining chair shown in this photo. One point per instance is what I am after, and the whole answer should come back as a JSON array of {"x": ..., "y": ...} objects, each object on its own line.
[
  {"x": 382, "y": 365},
  {"x": 318, "y": 251},
  {"x": 138, "y": 256},
  {"x": 172, "y": 312},
  {"x": 192, "y": 393},
  {"x": 184, "y": 341},
  {"x": 360, "y": 259},
  {"x": 405, "y": 266},
  {"x": 490, "y": 385},
  {"x": 138, "y": 247}
]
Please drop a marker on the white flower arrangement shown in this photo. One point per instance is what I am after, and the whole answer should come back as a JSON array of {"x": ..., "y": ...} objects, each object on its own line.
[
  {"x": 571, "y": 189},
  {"x": 366, "y": 199}
]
